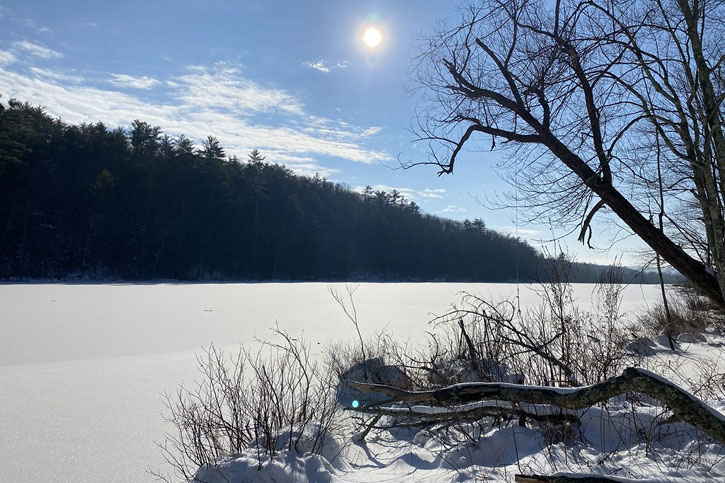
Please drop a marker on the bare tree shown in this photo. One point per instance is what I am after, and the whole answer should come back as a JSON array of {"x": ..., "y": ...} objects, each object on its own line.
[{"x": 584, "y": 94}]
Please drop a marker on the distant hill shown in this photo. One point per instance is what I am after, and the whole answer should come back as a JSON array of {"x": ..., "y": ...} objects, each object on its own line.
[{"x": 89, "y": 202}]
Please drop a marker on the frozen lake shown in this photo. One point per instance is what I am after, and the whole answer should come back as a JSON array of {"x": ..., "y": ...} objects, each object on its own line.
[{"x": 82, "y": 367}]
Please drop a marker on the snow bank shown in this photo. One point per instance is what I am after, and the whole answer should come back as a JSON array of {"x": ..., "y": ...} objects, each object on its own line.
[
  {"x": 294, "y": 460},
  {"x": 286, "y": 467}
]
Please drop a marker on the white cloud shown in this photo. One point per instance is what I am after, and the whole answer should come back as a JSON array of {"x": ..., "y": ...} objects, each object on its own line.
[
  {"x": 522, "y": 232},
  {"x": 223, "y": 87},
  {"x": 339, "y": 130},
  {"x": 433, "y": 193},
  {"x": 37, "y": 50},
  {"x": 6, "y": 57},
  {"x": 318, "y": 65},
  {"x": 371, "y": 131},
  {"x": 234, "y": 110},
  {"x": 129, "y": 81},
  {"x": 55, "y": 75},
  {"x": 323, "y": 66},
  {"x": 452, "y": 209}
]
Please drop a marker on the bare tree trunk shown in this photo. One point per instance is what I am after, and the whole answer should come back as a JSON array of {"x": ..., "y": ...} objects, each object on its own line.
[{"x": 692, "y": 269}]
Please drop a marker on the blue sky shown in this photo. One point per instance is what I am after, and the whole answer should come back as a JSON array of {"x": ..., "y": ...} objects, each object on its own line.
[{"x": 291, "y": 78}]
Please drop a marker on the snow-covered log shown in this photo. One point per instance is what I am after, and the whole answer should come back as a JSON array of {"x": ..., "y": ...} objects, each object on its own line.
[
  {"x": 568, "y": 478},
  {"x": 427, "y": 414},
  {"x": 684, "y": 405}
]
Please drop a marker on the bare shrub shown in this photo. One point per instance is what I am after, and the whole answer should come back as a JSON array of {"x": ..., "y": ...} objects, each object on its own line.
[
  {"x": 340, "y": 357},
  {"x": 347, "y": 305},
  {"x": 553, "y": 343},
  {"x": 556, "y": 344},
  {"x": 263, "y": 403}
]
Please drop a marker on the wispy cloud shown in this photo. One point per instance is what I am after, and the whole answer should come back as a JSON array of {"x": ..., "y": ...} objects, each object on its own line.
[
  {"x": 133, "y": 82},
  {"x": 371, "y": 131},
  {"x": 522, "y": 232},
  {"x": 433, "y": 193},
  {"x": 318, "y": 65},
  {"x": 323, "y": 66},
  {"x": 338, "y": 130},
  {"x": 55, "y": 75},
  {"x": 6, "y": 57},
  {"x": 305, "y": 166},
  {"x": 36, "y": 50},
  {"x": 223, "y": 87},
  {"x": 452, "y": 209},
  {"x": 216, "y": 100}
]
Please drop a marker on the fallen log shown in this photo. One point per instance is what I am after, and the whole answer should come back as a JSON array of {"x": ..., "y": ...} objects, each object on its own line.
[
  {"x": 471, "y": 413},
  {"x": 684, "y": 405},
  {"x": 563, "y": 478}
]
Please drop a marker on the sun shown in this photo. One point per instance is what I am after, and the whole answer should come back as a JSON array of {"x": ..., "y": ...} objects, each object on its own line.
[{"x": 372, "y": 37}]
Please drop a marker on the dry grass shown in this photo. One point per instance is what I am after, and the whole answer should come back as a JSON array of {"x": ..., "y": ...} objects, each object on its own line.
[{"x": 689, "y": 312}]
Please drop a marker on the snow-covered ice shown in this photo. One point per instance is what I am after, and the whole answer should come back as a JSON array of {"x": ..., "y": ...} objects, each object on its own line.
[{"x": 82, "y": 368}]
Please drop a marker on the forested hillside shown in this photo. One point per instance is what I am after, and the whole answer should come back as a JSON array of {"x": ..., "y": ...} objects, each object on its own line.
[{"x": 86, "y": 201}]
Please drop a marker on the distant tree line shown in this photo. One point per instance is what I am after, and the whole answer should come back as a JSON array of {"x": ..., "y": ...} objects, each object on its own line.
[{"x": 85, "y": 201}]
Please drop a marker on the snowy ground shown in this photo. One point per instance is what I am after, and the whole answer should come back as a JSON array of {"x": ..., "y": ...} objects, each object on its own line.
[{"x": 82, "y": 368}]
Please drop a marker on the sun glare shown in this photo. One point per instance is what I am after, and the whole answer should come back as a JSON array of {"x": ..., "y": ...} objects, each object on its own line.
[{"x": 372, "y": 37}]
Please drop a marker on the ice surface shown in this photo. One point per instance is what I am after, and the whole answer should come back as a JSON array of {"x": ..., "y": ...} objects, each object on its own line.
[{"x": 60, "y": 322}]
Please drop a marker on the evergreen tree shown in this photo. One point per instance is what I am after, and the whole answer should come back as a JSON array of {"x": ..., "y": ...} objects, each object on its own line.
[
  {"x": 211, "y": 149},
  {"x": 255, "y": 156}
]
